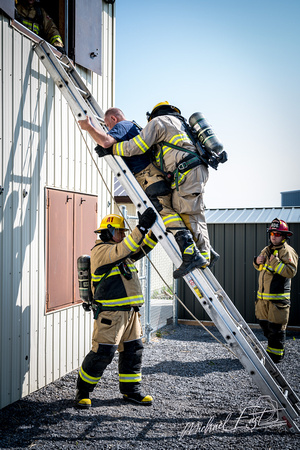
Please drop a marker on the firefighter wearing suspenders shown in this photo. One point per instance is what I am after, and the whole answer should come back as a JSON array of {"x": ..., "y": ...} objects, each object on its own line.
[
  {"x": 117, "y": 298},
  {"x": 177, "y": 158},
  {"x": 277, "y": 264}
]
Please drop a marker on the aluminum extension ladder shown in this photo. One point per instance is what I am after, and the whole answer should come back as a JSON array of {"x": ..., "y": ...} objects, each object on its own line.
[{"x": 204, "y": 285}]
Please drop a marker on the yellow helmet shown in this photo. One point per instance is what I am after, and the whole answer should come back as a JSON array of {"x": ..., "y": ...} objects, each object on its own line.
[
  {"x": 159, "y": 106},
  {"x": 112, "y": 220}
]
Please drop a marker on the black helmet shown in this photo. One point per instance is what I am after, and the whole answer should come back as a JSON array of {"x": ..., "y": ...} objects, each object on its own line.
[{"x": 162, "y": 108}]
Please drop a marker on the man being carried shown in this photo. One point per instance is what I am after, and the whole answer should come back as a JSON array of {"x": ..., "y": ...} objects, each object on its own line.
[
  {"x": 176, "y": 156},
  {"x": 152, "y": 181}
]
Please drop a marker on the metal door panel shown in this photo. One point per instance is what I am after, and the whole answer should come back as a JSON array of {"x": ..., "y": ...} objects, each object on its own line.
[
  {"x": 88, "y": 27},
  {"x": 59, "y": 249},
  {"x": 8, "y": 6}
]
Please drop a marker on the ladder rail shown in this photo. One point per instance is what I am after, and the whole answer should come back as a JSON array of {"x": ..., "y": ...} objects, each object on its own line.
[
  {"x": 78, "y": 104},
  {"x": 234, "y": 329},
  {"x": 247, "y": 356},
  {"x": 233, "y": 311},
  {"x": 208, "y": 298}
]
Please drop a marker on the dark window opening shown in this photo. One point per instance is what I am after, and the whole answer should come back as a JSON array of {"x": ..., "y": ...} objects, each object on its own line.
[{"x": 80, "y": 26}]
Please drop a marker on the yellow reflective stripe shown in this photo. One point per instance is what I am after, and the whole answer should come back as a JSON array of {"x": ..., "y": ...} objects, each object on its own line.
[
  {"x": 279, "y": 268},
  {"x": 87, "y": 378},
  {"x": 172, "y": 218},
  {"x": 275, "y": 351},
  {"x": 56, "y": 38},
  {"x": 269, "y": 268},
  {"x": 140, "y": 143},
  {"x": 114, "y": 271},
  {"x": 266, "y": 296},
  {"x": 130, "y": 377},
  {"x": 148, "y": 241},
  {"x": 206, "y": 255},
  {"x": 181, "y": 176},
  {"x": 133, "y": 300},
  {"x": 178, "y": 138},
  {"x": 165, "y": 149},
  {"x": 28, "y": 24},
  {"x": 119, "y": 149},
  {"x": 36, "y": 28},
  {"x": 157, "y": 159},
  {"x": 189, "y": 250},
  {"x": 132, "y": 267},
  {"x": 131, "y": 244}
]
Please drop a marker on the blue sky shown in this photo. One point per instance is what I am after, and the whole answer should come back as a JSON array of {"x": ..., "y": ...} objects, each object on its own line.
[{"x": 237, "y": 62}]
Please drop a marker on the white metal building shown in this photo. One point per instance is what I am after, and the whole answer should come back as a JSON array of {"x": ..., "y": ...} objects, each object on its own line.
[{"x": 51, "y": 197}]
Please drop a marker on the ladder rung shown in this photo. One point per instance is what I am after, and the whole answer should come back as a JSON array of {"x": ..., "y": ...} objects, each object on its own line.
[
  {"x": 82, "y": 92},
  {"x": 203, "y": 283}
]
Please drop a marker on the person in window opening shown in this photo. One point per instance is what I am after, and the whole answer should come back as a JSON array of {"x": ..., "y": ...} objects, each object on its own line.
[
  {"x": 117, "y": 292},
  {"x": 30, "y": 14},
  {"x": 277, "y": 264},
  {"x": 153, "y": 182}
]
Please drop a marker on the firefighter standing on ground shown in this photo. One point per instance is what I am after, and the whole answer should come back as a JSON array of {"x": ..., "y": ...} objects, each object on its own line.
[
  {"x": 117, "y": 292},
  {"x": 32, "y": 16},
  {"x": 166, "y": 128},
  {"x": 277, "y": 264},
  {"x": 151, "y": 180}
]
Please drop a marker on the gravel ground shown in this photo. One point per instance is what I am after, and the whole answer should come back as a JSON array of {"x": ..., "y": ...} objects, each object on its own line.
[{"x": 200, "y": 394}]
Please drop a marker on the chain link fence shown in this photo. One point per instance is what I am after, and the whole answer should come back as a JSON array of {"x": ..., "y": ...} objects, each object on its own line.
[{"x": 156, "y": 278}]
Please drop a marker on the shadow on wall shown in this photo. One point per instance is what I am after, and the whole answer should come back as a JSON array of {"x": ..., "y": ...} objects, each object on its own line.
[{"x": 19, "y": 225}]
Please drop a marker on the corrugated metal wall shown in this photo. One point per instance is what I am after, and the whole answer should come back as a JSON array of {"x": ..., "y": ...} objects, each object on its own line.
[
  {"x": 237, "y": 244},
  {"x": 41, "y": 147}
]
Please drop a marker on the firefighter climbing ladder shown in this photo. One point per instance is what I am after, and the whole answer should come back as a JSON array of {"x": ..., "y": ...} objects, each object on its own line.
[{"x": 204, "y": 285}]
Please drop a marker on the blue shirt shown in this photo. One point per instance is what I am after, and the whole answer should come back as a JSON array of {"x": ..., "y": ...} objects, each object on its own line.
[{"x": 124, "y": 131}]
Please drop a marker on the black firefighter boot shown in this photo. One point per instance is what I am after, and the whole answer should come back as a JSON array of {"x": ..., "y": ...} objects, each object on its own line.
[{"x": 191, "y": 257}]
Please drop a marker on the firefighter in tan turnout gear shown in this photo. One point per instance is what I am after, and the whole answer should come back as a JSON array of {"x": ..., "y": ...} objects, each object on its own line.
[
  {"x": 118, "y": 296},
  {"x": 30, "y": 14},
  {"x": 153, "y": 182},
  {"x": 277, "y": 264},
  {"x": 177, "y": 158}
]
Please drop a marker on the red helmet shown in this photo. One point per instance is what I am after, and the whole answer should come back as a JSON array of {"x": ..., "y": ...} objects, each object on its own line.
[{"x": 280, "y": 226}]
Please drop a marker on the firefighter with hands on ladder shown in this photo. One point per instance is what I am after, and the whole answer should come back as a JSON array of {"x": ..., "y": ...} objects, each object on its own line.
[
  {"x": 175, "y": 156},
  {"x": 206, "y": 288},
  {"x": 277, "y": 264},
  {"x": 30, "y": 14},
  {"x": 151, "y": 179},
  {"x": 117, "y": 293}
]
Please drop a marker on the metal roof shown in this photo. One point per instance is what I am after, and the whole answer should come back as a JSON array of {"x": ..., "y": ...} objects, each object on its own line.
[{"x": 252, "y": 215}]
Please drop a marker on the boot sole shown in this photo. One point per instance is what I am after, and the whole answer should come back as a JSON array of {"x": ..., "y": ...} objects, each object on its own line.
[
  {"x": 188, "y": 270},
  {"x": 128, "y": 399}
]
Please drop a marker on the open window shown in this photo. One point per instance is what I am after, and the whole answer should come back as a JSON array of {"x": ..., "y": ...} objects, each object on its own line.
[{"x": 80, "y": 26}]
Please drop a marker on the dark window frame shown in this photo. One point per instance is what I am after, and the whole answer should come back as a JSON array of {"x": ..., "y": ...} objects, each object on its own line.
[{"x": 84, "y": 48}]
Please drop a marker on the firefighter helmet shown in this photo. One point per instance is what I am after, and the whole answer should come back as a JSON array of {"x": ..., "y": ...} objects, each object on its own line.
[
  {"x": 279, "y": 226},
  {"x": 162, "y": 106},
  {"x": 112, "y": 221}
]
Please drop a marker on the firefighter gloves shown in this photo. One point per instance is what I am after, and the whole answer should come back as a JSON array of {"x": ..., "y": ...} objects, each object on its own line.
[
  {"x": 101, "y": 151},
  {"x": 146, "y": 220}
]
